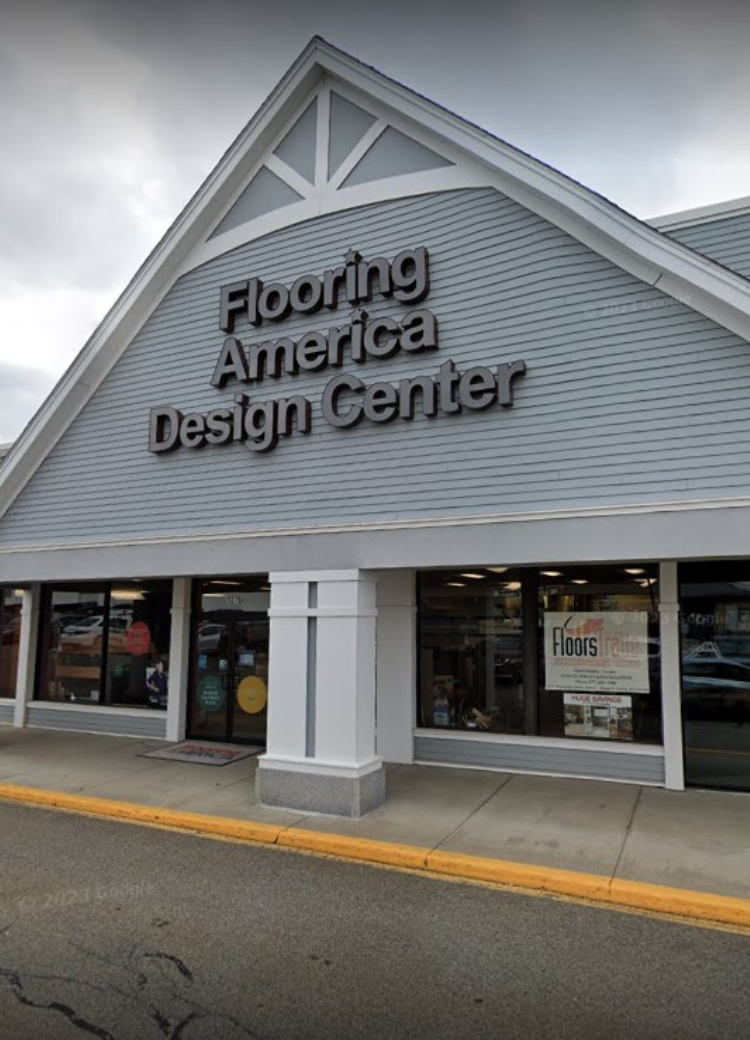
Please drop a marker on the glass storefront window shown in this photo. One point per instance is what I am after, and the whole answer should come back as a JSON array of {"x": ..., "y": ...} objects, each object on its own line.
[
  {"x": 471, "y": 653},
  {"x": 715, "y": 638},
  {"x": 137, "y": 663},
  {"x": 10, "y": 637},
  {"x": 560, "y": 651},
  {"x": 599, "y": 653},
  {"x": 106, "y": 644}
]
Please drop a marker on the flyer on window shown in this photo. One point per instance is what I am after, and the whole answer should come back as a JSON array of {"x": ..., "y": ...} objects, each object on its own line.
[
  {"x": 596, "y": 652},
  {"x": 598, "y": 715}
]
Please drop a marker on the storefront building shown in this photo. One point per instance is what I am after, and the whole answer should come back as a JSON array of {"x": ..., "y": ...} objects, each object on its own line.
[{"x": 401, "y": 447}]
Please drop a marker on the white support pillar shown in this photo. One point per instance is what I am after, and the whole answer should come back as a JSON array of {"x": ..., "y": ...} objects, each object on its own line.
[
  {"x": 179, "y": 659},
  {"x": 27, "y": 652},
  {"x": 671, "y": 688},
  {"x": 321, "y": 712},
  {"x": 396, "y": 665}
]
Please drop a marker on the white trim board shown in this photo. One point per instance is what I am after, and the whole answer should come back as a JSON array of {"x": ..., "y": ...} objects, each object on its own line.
[
  {"x": 719, "y": 294},
  {"x": 426, "y": 523},
  {"x": 701, "y": 215}
]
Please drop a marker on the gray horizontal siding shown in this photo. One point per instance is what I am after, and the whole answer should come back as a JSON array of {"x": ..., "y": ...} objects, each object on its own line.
[
  {"x": 146, "y": 724},
  {"x": 727, "y": 241},
  {"x": 629, "y": 397},
  {"x": 572, "y": 761},
  {"x": 6, "y": 712}
]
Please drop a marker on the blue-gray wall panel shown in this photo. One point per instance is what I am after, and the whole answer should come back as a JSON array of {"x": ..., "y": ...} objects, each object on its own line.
[
  {"x": 6, "y": 712},
  {"x": 629, "y": 396},
  {"x": 146, "y": 724},
  {"x": 727, "y": 241},
  {"x": 570, "y": 761}
]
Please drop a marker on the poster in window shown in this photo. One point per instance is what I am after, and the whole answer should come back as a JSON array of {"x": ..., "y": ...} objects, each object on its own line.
[
  {"x": 598, "y": 715},
  {"x": 596, "y": 652}
]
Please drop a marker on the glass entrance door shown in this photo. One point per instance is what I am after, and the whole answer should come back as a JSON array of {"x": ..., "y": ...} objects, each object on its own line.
[
  {"x": 228, "y": 698},
  {"x": 715, "y": 624}
]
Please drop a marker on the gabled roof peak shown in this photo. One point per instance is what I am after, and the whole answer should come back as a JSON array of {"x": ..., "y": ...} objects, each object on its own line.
[{"x": 473, "y": 157}]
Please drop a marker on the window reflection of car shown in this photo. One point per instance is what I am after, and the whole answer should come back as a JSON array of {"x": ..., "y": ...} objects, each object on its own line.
[
  {"x": 716, "y": 688},
  {"x": 209, "y": 637},
  {"x": 87, "y": 634}
]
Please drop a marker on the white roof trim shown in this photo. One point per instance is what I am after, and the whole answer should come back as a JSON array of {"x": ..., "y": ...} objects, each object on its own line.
[
  {"x": 656, "y": 259},
  {"x": 701, "y": 215}
]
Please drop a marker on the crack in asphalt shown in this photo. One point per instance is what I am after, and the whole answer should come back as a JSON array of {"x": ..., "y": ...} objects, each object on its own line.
[
  {"x": 167, "y": 1026},
  {"x": 18, "y": 990}
]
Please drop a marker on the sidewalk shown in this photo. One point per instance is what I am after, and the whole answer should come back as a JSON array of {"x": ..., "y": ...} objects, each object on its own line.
[{"x": 695, "y": 840}]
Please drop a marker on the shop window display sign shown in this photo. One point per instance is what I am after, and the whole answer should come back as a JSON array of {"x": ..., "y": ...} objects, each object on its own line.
[
  {"x": 596, "y": 652},
  {"x": 599, "y": 716}
]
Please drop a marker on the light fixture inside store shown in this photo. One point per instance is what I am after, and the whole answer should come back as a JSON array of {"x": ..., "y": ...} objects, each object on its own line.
[
  {"x": 468, "y": 574},
  {"x": 513, "y": 586},
  {"x": 552, "y": 574},
  {"x": 127, "y": 595},
  {"x": 579, "y": 581},
  {"x": 645, "y": 582},
  {"x": 265, "y": 588},
  {"x": 457, "y": 584},
  {"x": 225, "y": 583},
  {"x": 634, "y": 570},
  {"x": 498, "y": 570}
]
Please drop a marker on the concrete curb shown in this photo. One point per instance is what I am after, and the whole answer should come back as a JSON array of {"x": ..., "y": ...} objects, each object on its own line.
[{"x": 615, "y": 892}]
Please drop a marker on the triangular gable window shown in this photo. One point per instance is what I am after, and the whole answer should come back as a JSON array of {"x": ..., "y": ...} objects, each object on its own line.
[
  {"x": 393, "y": 155},
  {"x": 265, "y": 193},
  {"x": 349, "y": 124},
  {"x": 298, "y": 147},
  {"x": 333, "y": 144}
]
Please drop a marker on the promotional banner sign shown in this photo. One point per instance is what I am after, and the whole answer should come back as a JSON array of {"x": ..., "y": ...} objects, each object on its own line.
[
  {"x": 598, "y": 715},
  {"x": 592, "y": 652}
]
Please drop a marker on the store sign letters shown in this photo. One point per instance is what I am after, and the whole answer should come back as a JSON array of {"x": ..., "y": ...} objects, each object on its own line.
[
  {"x": 596, "y": 652},
  {"x": 346, "y": 399}
]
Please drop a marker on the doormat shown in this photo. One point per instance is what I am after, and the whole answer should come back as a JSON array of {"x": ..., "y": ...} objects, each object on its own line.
[{"x": 204, "y": 754}]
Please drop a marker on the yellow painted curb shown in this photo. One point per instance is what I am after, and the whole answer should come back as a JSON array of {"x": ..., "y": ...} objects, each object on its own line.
[
  {"x": 243, "y": 830},
  {"x": 520, "y": 875},
  {"x": 680, "y": 902},
  {"x": 634, "y": 895},
  {"x": 366, "y": 849}
]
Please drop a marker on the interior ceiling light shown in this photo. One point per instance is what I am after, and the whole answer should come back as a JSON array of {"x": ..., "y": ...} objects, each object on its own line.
[
  {"x": 645, "y": 582},
  {"x": 552, "y": 574},
  {"x": 225, "y": 583},
  {"x": 579, "y": 581},
  {"x": 497, "y": 570},
  {"x": 468, "y": 574},
  {"x": 513, "y": 586},
  {"x": 128, "y": 595},
  {"x": 457, "y": 584},
  {"x": 634, "y": 570}
]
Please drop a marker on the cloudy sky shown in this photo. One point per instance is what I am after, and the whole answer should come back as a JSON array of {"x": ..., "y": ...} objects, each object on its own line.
[{"x": 112, "y": 113}]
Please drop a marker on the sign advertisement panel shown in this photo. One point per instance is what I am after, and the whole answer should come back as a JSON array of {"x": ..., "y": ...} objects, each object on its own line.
[
  {"x": 598, "y": 715},
  {"x": 596, "y": 652}
]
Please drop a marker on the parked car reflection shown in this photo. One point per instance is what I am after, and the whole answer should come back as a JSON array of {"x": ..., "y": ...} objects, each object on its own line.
[{"x": 716, "y": 688}]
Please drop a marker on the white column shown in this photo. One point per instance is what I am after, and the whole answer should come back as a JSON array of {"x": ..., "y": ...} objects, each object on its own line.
[
  {"x": 179, "y": 659},
  {"x": 671, "y": 690},
  {"x": 321, "y": 753},
  {"x": 27, "y": 652},
  {"x": 396, "y": 665}
]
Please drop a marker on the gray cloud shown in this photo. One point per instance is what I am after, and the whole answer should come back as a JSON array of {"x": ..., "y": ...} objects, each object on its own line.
[{"x": 21, "y": 392}]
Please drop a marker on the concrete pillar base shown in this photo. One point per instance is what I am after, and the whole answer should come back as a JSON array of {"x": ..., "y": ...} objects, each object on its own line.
[{"x": 314, "y": 792}]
